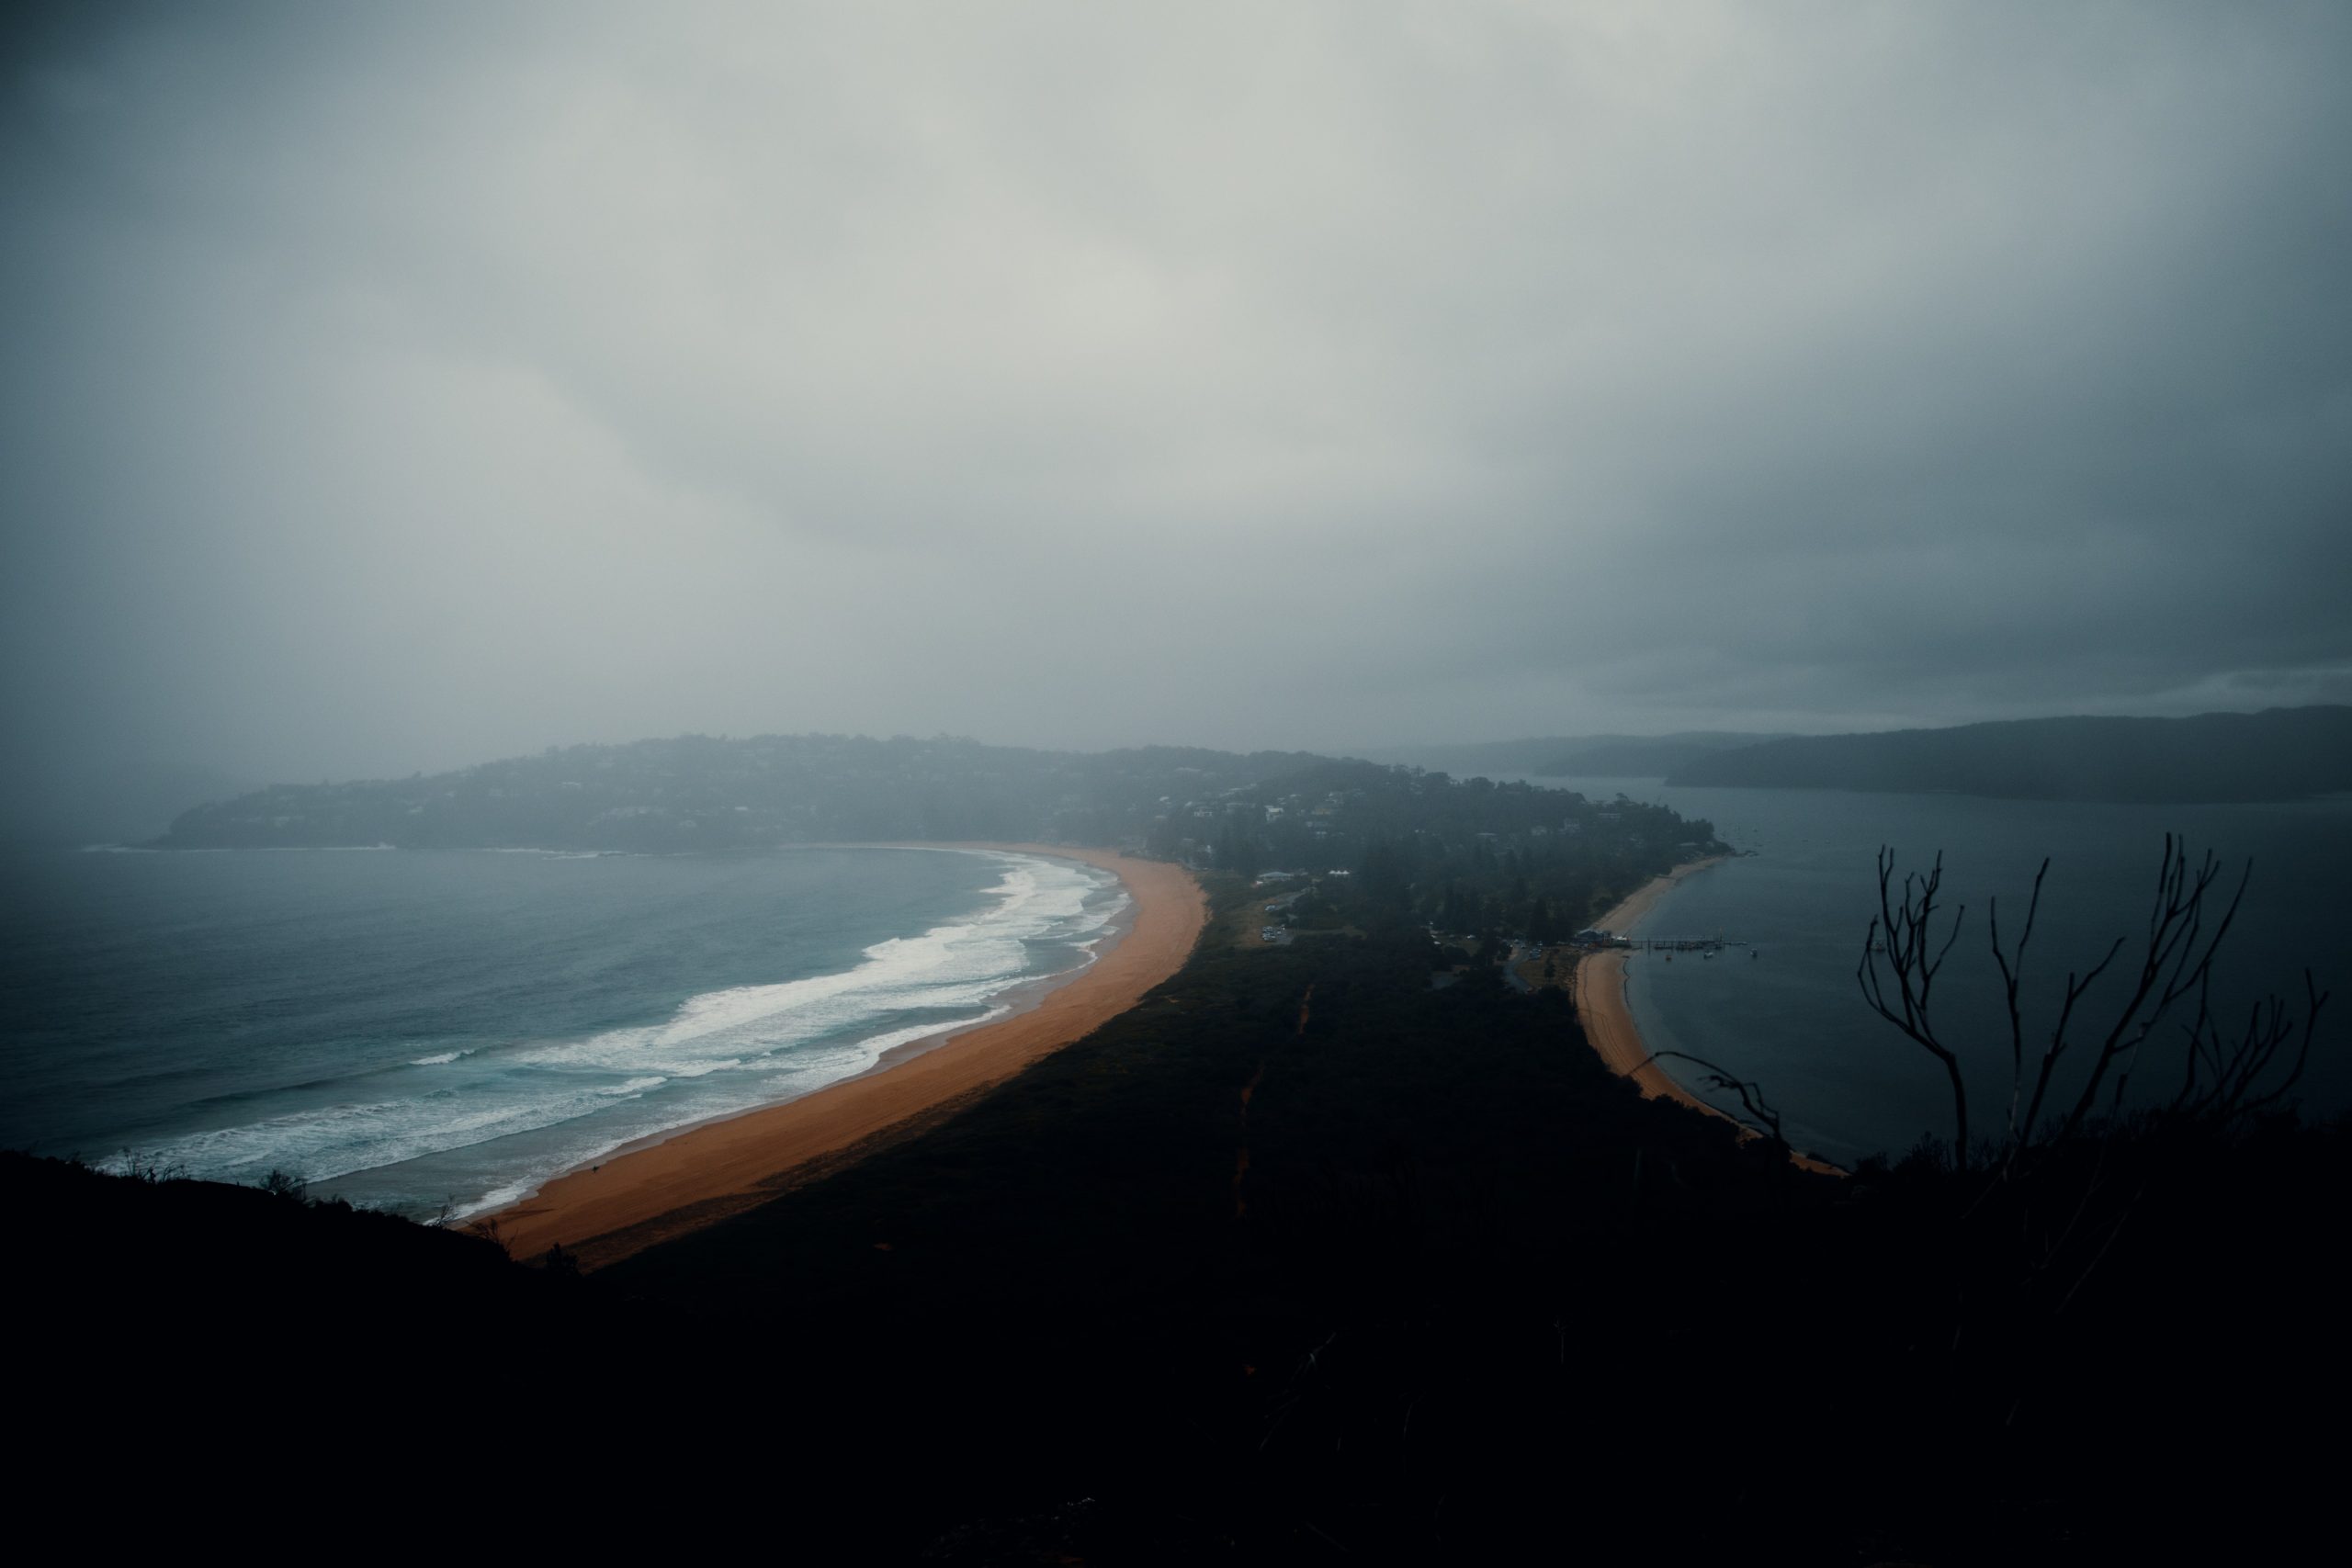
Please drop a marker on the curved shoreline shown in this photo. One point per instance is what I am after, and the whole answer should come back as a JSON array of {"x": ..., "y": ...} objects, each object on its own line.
[
  {"x": 1601, "y": 1006},
  {"x": 699, "y": 1173},
  {"x": 1607, "y": 1017}
]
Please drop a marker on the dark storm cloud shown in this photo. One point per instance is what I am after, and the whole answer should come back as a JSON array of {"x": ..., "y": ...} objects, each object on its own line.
[{"x": 392, "y": 387}]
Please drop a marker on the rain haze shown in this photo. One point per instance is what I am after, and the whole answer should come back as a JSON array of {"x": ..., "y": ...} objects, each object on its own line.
[
  {"x": 1181, "y": 780},
  {"x": 397, "y": 388}
]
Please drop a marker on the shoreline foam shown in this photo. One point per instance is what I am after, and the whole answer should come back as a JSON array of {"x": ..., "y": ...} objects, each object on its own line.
[{"x": 689, "y": 1176}]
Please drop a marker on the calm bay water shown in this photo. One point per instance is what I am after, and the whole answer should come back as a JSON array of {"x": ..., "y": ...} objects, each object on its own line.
[
  {"x": 1847, "y": 1084},
  {"x": 415, "y": 1029}
]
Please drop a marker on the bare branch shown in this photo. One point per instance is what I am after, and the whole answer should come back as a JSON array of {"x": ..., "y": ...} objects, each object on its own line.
[
  {"x": 1751, "y": 1095},
  {"x": 2012, "y": 974},
  {"x": 1908, "y": 928},
  {"x": 2176, "y": 964},
  {"x": 2224, "y": 1074}
]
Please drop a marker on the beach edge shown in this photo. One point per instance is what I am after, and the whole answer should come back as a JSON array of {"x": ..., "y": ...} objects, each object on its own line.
[
  {"x": 1603, "y": 1009},
  {"x": 696, "y": 1175},
  {"x": 1605, "y": 1015}
]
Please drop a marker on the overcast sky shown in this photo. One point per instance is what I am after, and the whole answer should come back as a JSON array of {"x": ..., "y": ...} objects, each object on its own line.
[{"x": 396, "y": 387}]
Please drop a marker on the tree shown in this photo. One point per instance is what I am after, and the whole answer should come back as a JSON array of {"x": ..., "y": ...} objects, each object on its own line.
[
  {"x": 2223, "y": 1070},
  {"x": 1237, "y": 850},
  {"x": 1384, "y": 874},
  {"x": 1540, "y": 928}
]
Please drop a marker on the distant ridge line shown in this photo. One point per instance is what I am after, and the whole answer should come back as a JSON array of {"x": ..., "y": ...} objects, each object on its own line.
[{"x": 2278, "y": 754}]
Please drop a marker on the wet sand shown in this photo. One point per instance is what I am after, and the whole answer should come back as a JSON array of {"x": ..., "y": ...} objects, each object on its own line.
[
  {"x": 1608, "y": 1019},
  {"x": 701, "y": 1173},
  {"x": 1601, "y": 995}
]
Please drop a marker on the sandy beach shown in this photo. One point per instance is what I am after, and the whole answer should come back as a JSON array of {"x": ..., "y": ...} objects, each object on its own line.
[
  {"x": 701, "y": 1174},
  {"x": 1608, "y": 1019},
  {"x": 1601, "y": 995}
]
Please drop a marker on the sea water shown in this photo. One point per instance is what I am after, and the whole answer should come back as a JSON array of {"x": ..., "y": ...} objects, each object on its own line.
[
  {"x": 439, "y": 1032},
  {"x": 1791, "y": 1020}
]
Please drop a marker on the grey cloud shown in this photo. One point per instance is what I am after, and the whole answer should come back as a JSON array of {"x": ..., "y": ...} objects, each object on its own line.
[{"x": 397, "y": 386}]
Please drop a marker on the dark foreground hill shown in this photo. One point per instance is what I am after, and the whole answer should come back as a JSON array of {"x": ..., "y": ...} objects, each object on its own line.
[
  {"x": 1301, "y": 1261},
  {"x": 2278, "y": 754}
]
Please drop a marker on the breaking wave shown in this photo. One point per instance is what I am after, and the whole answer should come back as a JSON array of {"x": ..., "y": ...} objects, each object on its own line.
[{"x": 496, "y": 1120}]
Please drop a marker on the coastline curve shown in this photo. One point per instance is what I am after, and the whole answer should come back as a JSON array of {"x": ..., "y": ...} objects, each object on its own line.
[
  {"x": 1607, "y": 1016},
  {"x": 699, "y": 1173}
]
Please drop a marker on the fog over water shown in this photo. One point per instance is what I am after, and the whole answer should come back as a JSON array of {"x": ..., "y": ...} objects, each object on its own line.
[{"x": 392, "y": 388}]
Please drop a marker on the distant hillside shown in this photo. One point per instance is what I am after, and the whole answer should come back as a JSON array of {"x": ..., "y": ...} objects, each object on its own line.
[
  {"x": 2278, "y": 754},
  {"x": 1552, "y": 756},
  {"x": 1643, "y": 756},
  {"x": 696, "y": 791},
  {"x": 1287, "y": 809}
]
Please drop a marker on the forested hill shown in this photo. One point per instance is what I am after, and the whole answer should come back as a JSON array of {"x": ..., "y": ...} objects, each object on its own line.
[
  {"x": 1241, "y": 812},
  {"x": 703, "y": 792},
  {"x": 2278, "y": 754}
]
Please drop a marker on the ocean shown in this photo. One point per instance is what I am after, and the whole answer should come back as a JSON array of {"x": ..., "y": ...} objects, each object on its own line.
[
  {"x": 1791, "y": 1019},
  {"x": 437, "y": 1032}
]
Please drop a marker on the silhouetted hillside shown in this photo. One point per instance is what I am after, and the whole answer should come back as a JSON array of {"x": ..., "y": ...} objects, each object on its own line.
[
  {"x": 1301, "y": 1260},
  {"x": 1641, "y": 756},
  {"x": 2278, "y": 754},
  {"x": 1604, "y": 756},
  {"x": 1305, "y": 1261},
  {"x": 173, "y": 1275}
]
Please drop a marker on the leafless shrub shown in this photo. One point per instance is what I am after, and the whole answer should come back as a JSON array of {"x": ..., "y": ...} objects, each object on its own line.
[{"x": 2227, "y": 1074}]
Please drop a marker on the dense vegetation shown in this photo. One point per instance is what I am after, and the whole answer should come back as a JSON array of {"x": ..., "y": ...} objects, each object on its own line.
[
  {"x": 1470, "y": 857},
  {"x": 1306, "y": 1260},
  {"x": 148, "y": 1302},
  {"x": 2279, "y": 754}
]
